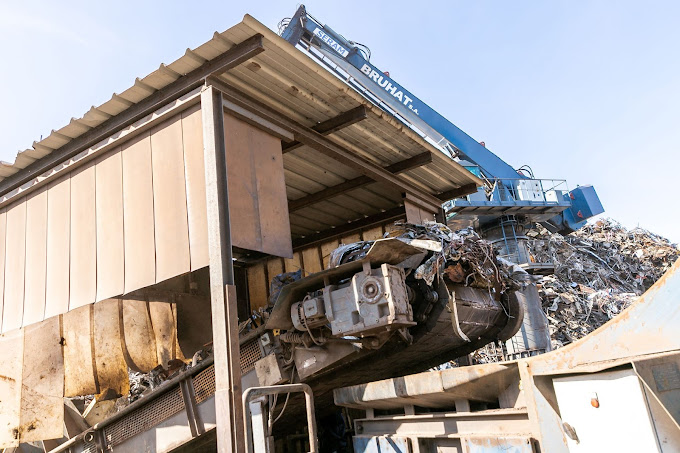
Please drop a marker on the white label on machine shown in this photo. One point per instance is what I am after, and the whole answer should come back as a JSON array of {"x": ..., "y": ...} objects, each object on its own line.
[{"x": 331, "y": 42}]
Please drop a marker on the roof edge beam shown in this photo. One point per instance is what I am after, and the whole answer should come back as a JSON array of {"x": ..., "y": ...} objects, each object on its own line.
[
  {"x": 334, "y": 124},
  {"x": 234, "y": 100},
  {"x": 466, "y": 189},
  {"x": 382, "y": 217},
  {"x": 352, "y": 184},
  {"x": 231, "y": 58}
]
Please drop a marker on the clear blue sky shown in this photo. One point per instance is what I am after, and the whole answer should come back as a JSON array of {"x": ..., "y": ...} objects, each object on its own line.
[{"x": 586, "y": 91}]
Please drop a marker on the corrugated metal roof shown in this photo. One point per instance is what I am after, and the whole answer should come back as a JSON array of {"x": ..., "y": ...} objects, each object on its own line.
[{"x": 289, "y": 81}]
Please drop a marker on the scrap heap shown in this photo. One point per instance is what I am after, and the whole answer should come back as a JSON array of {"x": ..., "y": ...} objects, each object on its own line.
[{"x": 599, "y": 271}]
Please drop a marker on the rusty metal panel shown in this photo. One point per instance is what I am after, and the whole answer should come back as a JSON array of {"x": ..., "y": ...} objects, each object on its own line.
[
  {"x": 110, "y": 246},
  {"x": 242, "y": 181},
  {"x": 58, "y": 247},
  {"x": 36, "y": 258},
  {"x": 163, "y": 324},
  {"x": 83, "y": 287},
  {"x": 257, "y": 286},
  {"x": 109, "y": 358},
  {"x": 12, "y": 346},
  {"x": 139, "y": 341},
  {"x": 138, "y": 218},
  {"x": 42, "y": 390},
  {"x": 311, "y": 260},
  {"x": 257, "y": 204},
  {"x": 271, "y": 193},
  {"x": 79, "y": 364},
  {"x": 194, "y": 170},
  {"x": 15, "y": 261},
  {"x": 169, "y": 197}
]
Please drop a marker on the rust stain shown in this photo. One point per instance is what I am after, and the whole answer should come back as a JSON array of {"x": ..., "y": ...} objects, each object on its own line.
[{"x": 7, "y": 379}]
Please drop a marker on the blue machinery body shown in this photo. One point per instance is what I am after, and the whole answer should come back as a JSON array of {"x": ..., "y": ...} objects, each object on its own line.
[{"x": 509, "y": 197}]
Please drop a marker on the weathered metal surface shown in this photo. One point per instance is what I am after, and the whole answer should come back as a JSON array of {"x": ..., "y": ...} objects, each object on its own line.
[
  {"x": 15, "y": 261},
  {"x": 164, "y": 330},
  {"x": 109, "y": 358},
  {"x": 169, "y": 200},
  {"x": 42, "y": 394},
  {"x": 140, "y": 340},
  {"x": 256, "y": 181},
  {"x": 194, "y": 169},
  {"x": 36, "y": 258},
  {"x": 140, "y": 268},
  {"x": 11, "y": 361},
  {"x": 110, "y": 240},
  {"x": 83, "y": 282},
  {"x": 58, "y": 247},
  {"x": 79, "y": 363}
]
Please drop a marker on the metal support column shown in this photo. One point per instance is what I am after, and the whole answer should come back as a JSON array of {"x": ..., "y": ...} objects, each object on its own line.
[{"x": 229, "y": 413}]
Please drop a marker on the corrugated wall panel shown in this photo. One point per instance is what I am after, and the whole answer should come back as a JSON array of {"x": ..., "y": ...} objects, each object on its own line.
[
  {"x": 257, "y": 286},
  {"x": 83, "y": 276},
  {"x": 11, "y": 361},
  {"x": 110, "y": 245},
  {"x": 42, "y": 390},
  {"x": 36, "y": 258},
  {"x": 138, "y": 217},
  {"x": 79, "y": 364},
  {"x": 194, "y": 170},
  {"x": 169, "y": 196},
  {"x": 139, "y": 339},
  {"x": 58, "y": 247},
  {"x": 109, "y": 358},
  {"x": 15, "y": 261}
]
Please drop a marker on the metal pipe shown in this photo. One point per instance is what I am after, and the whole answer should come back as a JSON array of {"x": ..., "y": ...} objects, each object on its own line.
[{"x": 254, "y": 392}]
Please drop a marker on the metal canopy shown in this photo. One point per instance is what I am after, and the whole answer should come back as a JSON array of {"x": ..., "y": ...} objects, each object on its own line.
[{"x": 324, "y": 193}]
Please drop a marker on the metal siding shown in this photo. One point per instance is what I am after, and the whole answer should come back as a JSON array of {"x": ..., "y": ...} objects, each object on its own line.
[
  {"x": 36, "y": 258},
  {"x": 42, "y": 393},
  {"x": 79, "y": 370},
  {"x": 83, "y": 238},
  {"x": 170, "y": 202},
  {"x": 194, "y": 169},
  {"x": 311, "y": 261},
  {"x": 139, "y": 339},
  {"x": 11, "y": 361},
  {"x": 274, "y": 268},
  {"x": 326, "y": 249},
  {"x": 292, "y": 264},
  {"x": 15, "y": 261},
  {"x": 163, "y": 324},
  {"x": 58, "y": 247},
  {"x": 111, "y": 367},
  {"x": 271, "y": 193},
  {"x": 110, "y": 244},
  {"x": 138, "y": 217},
  {"x": 242, "y": 182}
]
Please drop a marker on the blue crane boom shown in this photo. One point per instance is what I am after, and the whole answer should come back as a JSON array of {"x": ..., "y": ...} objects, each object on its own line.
[
  {"x": 508, "y": 194},
  {"x": 401, "y": 101}
]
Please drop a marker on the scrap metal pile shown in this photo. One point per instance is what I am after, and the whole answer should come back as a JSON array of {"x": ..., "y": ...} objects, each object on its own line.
[{"x": 599, "y": 271}]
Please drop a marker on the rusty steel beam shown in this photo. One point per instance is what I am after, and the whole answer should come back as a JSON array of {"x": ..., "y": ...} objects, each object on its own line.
[
  {"x": 334, "y": 124},
  {"x": 467, "y": 189},
  {"x": 228, "y": 60},
  {"x": 235, "y": 101},
  {"x": 399, "y": 167},
  {"x": 348, "y": 228},
  {"x": 229, "y": 414}
]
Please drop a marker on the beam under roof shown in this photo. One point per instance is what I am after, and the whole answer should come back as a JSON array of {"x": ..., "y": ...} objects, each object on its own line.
[
  {"x": 235, "y": 101},
  {"x": 231, "y": 58},
  {"x": 352, "y": 184},
  {"x": 334, "y": 124}
]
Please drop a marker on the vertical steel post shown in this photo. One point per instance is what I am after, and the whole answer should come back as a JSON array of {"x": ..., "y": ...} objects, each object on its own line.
[{"x": 229, "y": 413}]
